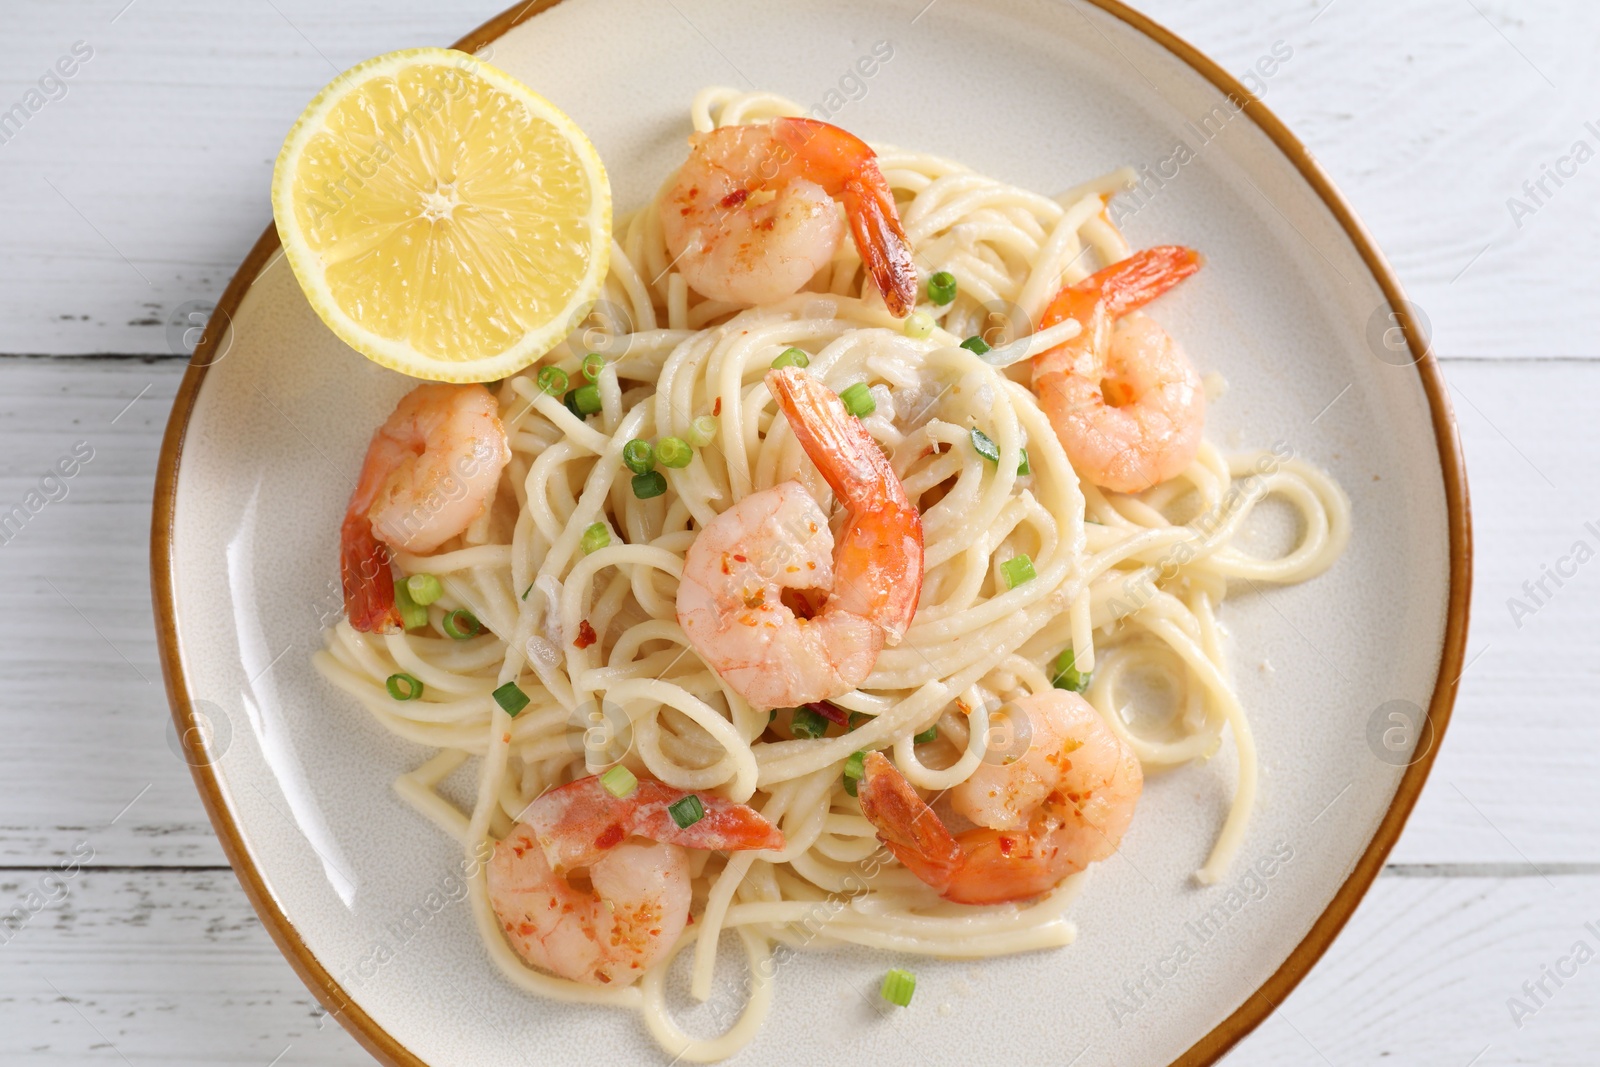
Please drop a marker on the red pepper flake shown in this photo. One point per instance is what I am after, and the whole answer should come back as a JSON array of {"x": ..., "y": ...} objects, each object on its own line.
[
  {"x": 829, "y": 712},
  {"x": 716, "y": 408},
  {"x": 735, "y": 198},
  {"x": 1006, "y": 845},
  {"x": 610, "y": 837},
  {"x": 741, "y": 559},
  {"x": 586, "y": 635}
]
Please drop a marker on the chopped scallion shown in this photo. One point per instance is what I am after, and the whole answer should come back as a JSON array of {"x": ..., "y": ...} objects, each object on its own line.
[
  {"x": 930, "y": 734},
  {"x": 593, "y": 364},
  {"x": 857, "y": 718},
  {"x": 424, "y": 589},
  {"x": 687, "y": 812},
  {"x": 595, "y": 537},
  {"x": 898, "y": 986},
  {"x": 403, "y": 687},
  {"x": 462, "y": 624},
  {"x": 985, "y": 446},
  {"x": 792, "y": 357},
  {"x": 919, "y": 324},
  {"x": 1022, "y": 463},
  {"x": 1066, "y": 675},
  {"x": 619, "y": 781},
  {"x": 942, "y": 287},
  {"x": 638, "y": 456},
  {"x": 808, "y": 724},
  {"x": 646, "y": 486},
  {"x": 584, "y": 401},
  {"x": 674, "y": 452},
  {"x": 1017, "y": 570},
  {"x": 976, "y": 345},
  {"x": 703, "y": 430},
  {"x": 413, "y": 616},
  {"x": 858, "y": 400},
  {"x": 552, "y": 380},
  {"x": 855, "y": 765},
  {"x": 511, "y": 698}
]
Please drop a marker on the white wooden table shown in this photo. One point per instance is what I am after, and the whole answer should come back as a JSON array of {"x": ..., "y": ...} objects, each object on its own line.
[{"x": 139, "y": 186}]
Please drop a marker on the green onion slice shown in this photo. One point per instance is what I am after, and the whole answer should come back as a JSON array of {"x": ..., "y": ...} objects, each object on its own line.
[
  {"x": 1022, "y": 463},
  {"x": 898, "y": 986},
  {"x": 792, "y": 357},
  {"x": 858, "y": 400},
  {"x": 646, "y": 486},
  {"x": 619, "y": 781},
  {"x": 703, "y": 430},
  {"x": 687, "y": 812},
  {"x": 593, "y": 364},
  {"x": 638, "y": 456},
  {"x": 976, "y": 345},
  {"x": 462, "y": 624},
  {"x": 552, "y": 380},
  {"x": 595, "y": 537},
  {"x": 942, "y": 287},
  {"x": 1017, "y": 570},
  {"x": 930, "y": 734},
  {"x": 424, "y": 589},
  {"x": 511, "y": 698},
  {"x": 1066, "y": 675},
  {"x": 403, "y": 687},
  {"x": 413, "y": 616},
  {"x": 674, "y": 452},
  {"x": 587, "y": 399},
  {"x": 919, "y": 324},
  {"x": 808, "y": 724},
  {"x": 985, "y": 446}
]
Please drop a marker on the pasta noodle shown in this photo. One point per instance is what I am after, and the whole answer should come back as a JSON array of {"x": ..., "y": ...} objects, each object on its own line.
[{"x": 1132, "y": 584}]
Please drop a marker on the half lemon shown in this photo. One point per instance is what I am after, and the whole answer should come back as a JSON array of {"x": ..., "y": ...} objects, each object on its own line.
[{"x": 444, "y": 219}]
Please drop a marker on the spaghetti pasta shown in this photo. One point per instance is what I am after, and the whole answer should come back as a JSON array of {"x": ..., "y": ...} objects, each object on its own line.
[{"x": 1131, "y": 584}]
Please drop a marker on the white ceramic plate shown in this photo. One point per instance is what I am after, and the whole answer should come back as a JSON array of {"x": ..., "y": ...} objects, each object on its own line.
[{"x": 1294, "y": 308}]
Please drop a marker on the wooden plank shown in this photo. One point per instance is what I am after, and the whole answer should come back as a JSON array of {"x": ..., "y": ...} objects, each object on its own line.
[
  {"x": 1432, "y": 971},
  {"x": 1512, "y": 785},
  {"x": 171, "y": 967},
  {"x": 85, "y": 713},
  {"x": 161, "y": 151},
  {"x": 154, "y": 967},
  {"x": 141, "y": 189}
]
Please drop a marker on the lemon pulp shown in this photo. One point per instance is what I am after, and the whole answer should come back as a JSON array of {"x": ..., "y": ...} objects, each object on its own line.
[{"x": 443, "y": 219}]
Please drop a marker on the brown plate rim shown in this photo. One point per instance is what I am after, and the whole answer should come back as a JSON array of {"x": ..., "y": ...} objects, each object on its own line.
[{"x": 1225, "y": 1034}]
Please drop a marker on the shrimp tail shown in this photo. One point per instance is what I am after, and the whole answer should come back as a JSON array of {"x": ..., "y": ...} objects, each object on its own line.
[
  {"x": 907, "y": 825},
  {"x": 1127, "y": 285},
  {"x": 881, "y": 240},
  {"x": 879, "y": 563},
  {"x": 846, "y": 456},
  {"x": 848, "y": 168},
  {"x": 368, "y": 582},
  {"x": 579, "y": 821}
]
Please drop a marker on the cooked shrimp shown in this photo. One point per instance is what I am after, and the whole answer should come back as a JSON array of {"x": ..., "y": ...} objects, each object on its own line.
[
  {"x": 1122, "y": 396},
  {"x": 771, "y": 603},
  {"x": 637, "y": 900},
  {"x": 1062, "y": 805},
  {"x": 431, "y": 469},
  {"x": 749, "y": 218}
]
